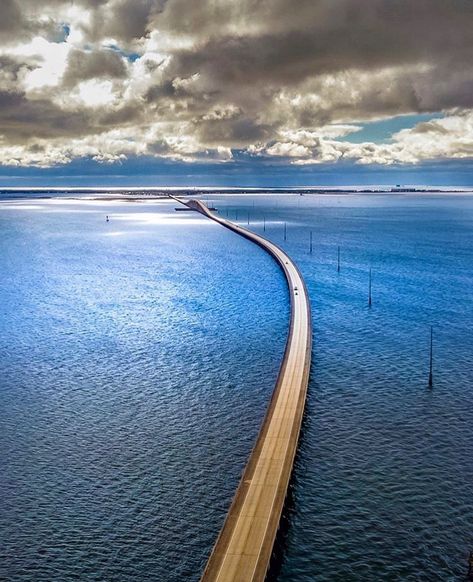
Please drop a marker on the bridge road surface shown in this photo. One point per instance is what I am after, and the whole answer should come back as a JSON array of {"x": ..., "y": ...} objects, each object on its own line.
[{"x": 244, "y": 546}]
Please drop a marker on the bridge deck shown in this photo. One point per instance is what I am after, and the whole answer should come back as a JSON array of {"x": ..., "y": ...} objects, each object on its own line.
[{"x": 243, "y": 549}]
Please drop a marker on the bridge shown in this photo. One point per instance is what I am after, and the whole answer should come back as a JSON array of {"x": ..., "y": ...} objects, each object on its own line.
[{"x": 244, "y": 546}]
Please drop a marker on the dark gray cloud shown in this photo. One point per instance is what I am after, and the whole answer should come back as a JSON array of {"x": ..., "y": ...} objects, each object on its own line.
[
  {"x": 18, "y": 23},
  {"x": 232, "y": 132},
  {"x": 285, "y": 46},
  {"x": 11, "y": 68},
  {"x": 125, "y": 20},
  {"x": 121, "y": 116},
  {"x": 233, "y": 74},
  {"x": 22, "y": 119},
  {"x": 12, "y": 21},
  {"x": 95, "y": 64}
]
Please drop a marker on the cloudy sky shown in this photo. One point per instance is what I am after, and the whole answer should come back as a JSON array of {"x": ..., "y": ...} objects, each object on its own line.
[{"x": 236, "y": 91}]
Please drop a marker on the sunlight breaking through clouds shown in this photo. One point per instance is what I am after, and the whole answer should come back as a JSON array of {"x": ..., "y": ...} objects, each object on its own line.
[{"x": 212, "y": 79}]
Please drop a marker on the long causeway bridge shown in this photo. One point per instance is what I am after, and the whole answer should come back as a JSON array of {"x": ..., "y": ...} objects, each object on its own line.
[{"x": 244, "y": 546}]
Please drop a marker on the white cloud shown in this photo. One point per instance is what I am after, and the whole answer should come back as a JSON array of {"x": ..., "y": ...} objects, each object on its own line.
[
  {"x": 447, "y": 138},
  {"x": 95, "y": 93},
  {"x": 195, "y": 81},
  {"x": 51, "y": 59}
]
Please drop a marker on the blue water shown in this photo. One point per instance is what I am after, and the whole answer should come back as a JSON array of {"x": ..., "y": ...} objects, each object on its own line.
[
  {"x": 383, "y": 484},
  {"x": 137, "y": 358}
]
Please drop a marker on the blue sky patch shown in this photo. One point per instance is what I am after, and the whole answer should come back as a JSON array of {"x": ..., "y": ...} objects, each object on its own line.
[
  {"x": 382, "y": 131},
  {"x": 60, "y": 34},
  {"x": 132, "y": 57}
]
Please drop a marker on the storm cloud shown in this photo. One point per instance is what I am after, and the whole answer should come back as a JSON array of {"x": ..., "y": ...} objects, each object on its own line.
[{"x": 203, "y": 79}]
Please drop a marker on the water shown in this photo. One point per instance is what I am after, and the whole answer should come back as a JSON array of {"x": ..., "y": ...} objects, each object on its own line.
[
  {"x": 137, "y": 358},
  {"x": 383, "y": 485}
]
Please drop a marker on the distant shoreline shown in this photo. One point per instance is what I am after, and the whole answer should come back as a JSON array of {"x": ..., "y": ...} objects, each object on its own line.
[{"x": 134, "y": 194}]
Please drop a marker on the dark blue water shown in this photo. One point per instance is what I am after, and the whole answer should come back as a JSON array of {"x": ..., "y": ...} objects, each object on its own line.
[
  {"x": 136, "y": 362},
  {"x": 137, "y": 358},
  {"x": 383, "y": 486}
]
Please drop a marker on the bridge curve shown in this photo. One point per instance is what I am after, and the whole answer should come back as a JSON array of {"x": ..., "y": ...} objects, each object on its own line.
[{"x": 244, "y": 546}]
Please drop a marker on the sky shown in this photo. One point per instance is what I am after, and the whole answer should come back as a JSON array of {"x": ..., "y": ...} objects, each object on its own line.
[{"x": 236, "y": 92}]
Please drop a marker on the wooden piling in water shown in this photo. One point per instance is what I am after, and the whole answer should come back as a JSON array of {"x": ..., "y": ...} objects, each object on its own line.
[
  {"x": 285, "y": 231},
  {"x": 338, "y": 260},
  {"x": 431, "y": 358},
  {"x": 310, "y": 247},
  {"x": 370, "y": 301}
]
